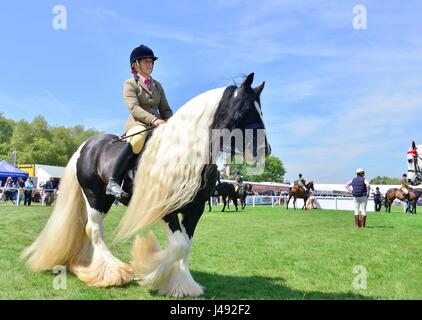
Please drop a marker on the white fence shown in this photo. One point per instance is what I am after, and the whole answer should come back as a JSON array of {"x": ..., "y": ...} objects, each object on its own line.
[{"x": 327, "y": 203}]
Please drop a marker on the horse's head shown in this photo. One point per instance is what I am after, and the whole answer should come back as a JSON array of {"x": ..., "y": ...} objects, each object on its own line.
[
  {"x": 238, "y": 125},
  {"x": 413, "y": 167},
  {"x": 310, "y": 185},
  {"x": 247, "y": 188}
]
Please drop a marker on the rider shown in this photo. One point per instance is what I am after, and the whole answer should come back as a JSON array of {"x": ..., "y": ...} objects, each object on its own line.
[
  {"x": 148, "y": 108},
  {"x": 405, "y": 187},
  {"x": 238, "y": 181},
  {"x": 301, "y": 183},
  {"x": 218, "y": 177}
]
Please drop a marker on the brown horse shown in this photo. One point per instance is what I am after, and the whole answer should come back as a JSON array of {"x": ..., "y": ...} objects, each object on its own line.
[
  {"x": 395, "y": 193},
  {"x": 298, "y": 192}
]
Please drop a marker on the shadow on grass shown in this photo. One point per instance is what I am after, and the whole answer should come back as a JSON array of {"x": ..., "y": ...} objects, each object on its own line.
[
  {"x": 379, "y": 227},
  {"x": 262, "y": 288}
]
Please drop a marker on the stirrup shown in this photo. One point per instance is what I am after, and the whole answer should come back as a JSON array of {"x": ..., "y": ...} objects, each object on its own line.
[{"x": 115, "y": 190}]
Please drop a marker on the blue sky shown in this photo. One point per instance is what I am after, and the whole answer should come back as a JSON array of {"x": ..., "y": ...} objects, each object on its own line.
[{"x": 336, "y": 98}]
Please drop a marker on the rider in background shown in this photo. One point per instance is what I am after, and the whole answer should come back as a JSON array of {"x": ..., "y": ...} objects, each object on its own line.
[
  {"x": 302, "y": 183},
  {"x": 238, "y": 181},
  {"x": 405, "y": 187},
  {"x": 218, "y": 177},
  {"x": 148, "y": 108}
]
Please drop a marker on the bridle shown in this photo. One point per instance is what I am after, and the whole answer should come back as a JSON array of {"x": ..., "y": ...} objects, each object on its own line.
[{"x": 417, "y": 170}]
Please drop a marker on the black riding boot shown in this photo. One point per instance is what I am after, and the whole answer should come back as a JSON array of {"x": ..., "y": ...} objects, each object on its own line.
[{"x": 124, "y": 159}]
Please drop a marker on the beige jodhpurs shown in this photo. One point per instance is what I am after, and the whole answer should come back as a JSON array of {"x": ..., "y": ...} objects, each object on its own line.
[{"x": 137, "y": 141}]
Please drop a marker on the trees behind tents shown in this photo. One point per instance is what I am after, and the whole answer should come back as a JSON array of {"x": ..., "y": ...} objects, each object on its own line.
[{"x": 38, "y": 142}]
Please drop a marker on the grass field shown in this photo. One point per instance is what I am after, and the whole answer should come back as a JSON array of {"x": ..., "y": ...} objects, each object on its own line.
[{"x": 259, "y": 253}]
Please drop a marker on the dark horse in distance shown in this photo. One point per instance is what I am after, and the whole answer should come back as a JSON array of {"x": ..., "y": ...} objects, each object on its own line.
[
  {"x": 174, "y": 176},
  {"x": 227, "y": 191},
  {"x": 298, "y": 192},
  {"x": 243, "y": 191}
]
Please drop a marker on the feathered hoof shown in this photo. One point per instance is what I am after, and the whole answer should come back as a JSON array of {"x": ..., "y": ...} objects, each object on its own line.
[
  {"x": 105, "y": 270},
  {"x": 181, "y": 284},
  {"x": 148, "y": 262},
  {"x": 151, "y": 269}
]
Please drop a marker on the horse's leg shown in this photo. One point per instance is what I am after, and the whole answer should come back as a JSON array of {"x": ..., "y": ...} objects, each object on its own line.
[
  {"x": 209, "y": 203},
  {"x": 180, "y": 282},
  {"x": 95, "y": 264},
  {"x": 234, "y": 199},
  {"x": 294, "y": 202},
  {"x": 224, "y": 202},
  {"x": 288, "y": 200},
  {"x": 304, "y": 202},
  {"x": 156, "y": 268}
]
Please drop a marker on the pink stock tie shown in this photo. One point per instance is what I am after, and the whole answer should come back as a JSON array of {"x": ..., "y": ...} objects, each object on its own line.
[{"x": 148, "y": 83}]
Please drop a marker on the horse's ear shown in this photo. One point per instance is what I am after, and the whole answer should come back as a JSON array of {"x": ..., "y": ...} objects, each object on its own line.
[
  {"x": 413, "y": 145},
  {"x": 259, "y": 88},
  {"x": 248, "y": 81}
]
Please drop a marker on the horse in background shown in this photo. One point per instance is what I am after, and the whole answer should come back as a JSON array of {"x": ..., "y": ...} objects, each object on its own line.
[
  {"x": 414, "y": 164},
  {"x": 243, "y": 191},
  {"x": 175, "y": 174},
  {"x": 226, "y": 191},
  {"x": 298, "y": 192},
  {"x": 396, "y": 193}
]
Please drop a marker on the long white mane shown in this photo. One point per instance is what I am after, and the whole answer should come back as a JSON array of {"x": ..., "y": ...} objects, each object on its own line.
[{"x": 169, "y": 172}]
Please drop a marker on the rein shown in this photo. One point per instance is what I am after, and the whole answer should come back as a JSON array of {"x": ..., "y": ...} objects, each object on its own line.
[{"x": 133, "y": 134}]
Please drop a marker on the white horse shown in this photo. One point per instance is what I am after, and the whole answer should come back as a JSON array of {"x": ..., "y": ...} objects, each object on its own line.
[{"x": 414, "y": 164}]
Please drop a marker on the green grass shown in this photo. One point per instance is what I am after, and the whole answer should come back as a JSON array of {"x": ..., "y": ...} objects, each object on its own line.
[{"x": 260, "y": 253}]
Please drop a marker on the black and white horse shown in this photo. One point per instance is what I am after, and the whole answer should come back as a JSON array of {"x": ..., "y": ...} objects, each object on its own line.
[
  {"x": 414, "y": 164},
  {"x": 175, "y": 174}
]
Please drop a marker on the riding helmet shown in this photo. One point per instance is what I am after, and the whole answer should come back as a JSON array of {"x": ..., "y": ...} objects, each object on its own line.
[{"x": 141, "y": 52}]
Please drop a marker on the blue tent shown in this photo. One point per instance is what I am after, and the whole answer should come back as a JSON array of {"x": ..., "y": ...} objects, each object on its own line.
[{"x": 8, "y": 170}]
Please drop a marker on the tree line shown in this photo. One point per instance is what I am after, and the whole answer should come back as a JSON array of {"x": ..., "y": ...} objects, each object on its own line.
[
  {"x": 39, "y": 142},
  {"x": 385, "y": 180}
]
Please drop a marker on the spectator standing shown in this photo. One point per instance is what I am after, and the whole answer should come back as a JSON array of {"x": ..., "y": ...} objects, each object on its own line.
[
  {"x": 377, "y": 199},
  {"x": 29, "y": 186},
  {"x": 49, "y": 191},
  {"x": 360, "y": 190},
  {"x": 20, "y": 185}
]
